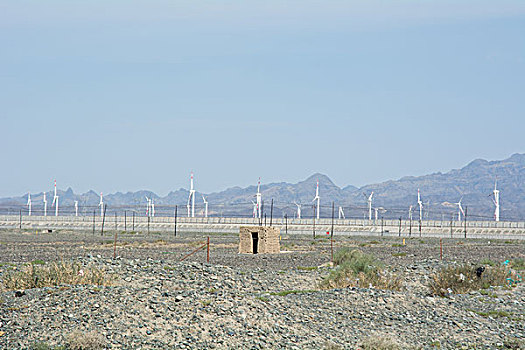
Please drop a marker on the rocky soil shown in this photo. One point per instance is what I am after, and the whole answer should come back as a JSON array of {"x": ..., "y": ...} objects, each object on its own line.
[{"x": 252, "y": 301}]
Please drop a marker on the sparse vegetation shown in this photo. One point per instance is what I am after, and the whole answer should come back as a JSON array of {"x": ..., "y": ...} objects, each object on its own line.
[
  {"x": 399, "y": 254},
  {"x": 38, "y": 262},
  {"x": 357, "y": 269},
  {"x": 379, "y": 342},
  {"x": 78, "y": 340},
  {"x": 45, "y": 346},
  {"x": 488, "y": 262},
  {"x": 263, "y": 298},
  {"x": 306, "y": 268},
  {"x": 55, "y": 274},
  {"x": 463, "y": 279},
  {"x": 286, "y": 292},
  {"x": 518, "y": 264}
]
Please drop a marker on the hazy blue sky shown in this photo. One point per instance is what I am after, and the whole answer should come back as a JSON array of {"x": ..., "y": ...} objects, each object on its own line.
[{"x": 127, "y": 95}]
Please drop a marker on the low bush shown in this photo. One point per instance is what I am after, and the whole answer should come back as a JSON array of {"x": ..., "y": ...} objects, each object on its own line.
[
  {"x": 379, "y": 342},
  {"x": 55, "y": 274},
  {"x": 357, "y": 269},
  {"x": 78, "y": 340},
  {"x": 465, "y": 278}
]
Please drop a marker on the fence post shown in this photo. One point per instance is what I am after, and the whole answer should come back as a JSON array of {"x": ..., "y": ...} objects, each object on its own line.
[
  {"x": 382, "y": 231},
  {"x": 208, "y": 250},
  {"x": 286, "y": 223},
  {"x": 420, "y": 227},
  {"x": 103, "y": 220},
  {"x": 175, "y": 224},
  {"x": 313, "y": 220},
  {"x": 93, "y": 222},
  {"x": 125, "y": 221},
  {"x": 271, "y": 213},
  {"x": 400, "y": 226},
  {"x": 133, "y": 222},
  {"x": 465, "y": 221},
  {"x": 20, "y": 218}
]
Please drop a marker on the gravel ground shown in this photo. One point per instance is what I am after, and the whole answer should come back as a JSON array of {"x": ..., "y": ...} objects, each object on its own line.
[{"x": 252, "y": 301}]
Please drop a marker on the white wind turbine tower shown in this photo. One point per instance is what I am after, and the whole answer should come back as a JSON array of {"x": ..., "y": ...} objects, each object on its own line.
[
  {"x": 369, "y": 200},
  {"x": 341, "y": 213},
  {"x": 45, "y": 204},
  {"x": 420, "y": 205},
  {"x": 76, "y": 208},
  {"x": 101, "y": 205},
  {"x": 191, "y": 198},
  {"x": 410, "y": 212},
  {"x": 254, "y": 209},
  {"x": 496, "y": 201},
  {"x": 205, "y": 206},
  {"x": 298, "y": 210},
  {"x": 29, "y": 203},
  {"x": 460, "y": 209},
  {"x": 259, "y": 198},
  {"x": 152, "y": 206},
  {"x": 318, "y": 208},
  {"x": 148, "y": 206},
  {"x": 55, "y": 200}
]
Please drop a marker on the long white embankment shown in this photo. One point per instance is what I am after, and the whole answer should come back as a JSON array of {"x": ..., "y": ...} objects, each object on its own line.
[{"x": 404, "y": 228}]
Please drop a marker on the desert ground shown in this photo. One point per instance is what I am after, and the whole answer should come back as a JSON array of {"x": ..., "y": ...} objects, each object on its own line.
[{"x": 153, "y": 300}]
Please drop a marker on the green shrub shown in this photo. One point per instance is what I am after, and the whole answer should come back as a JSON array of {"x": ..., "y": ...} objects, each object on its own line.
[
  {"x": 463, "y": 279},
  {"x": 55, "y": 274},
  {"x": 357, "y": 269},
  {"x": 518, "y": 264}
]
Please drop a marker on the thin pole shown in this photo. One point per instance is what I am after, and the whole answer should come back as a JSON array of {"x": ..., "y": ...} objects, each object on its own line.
[
  {"x": 93, "y": 222},
  {"x": 103, "y": 220},
  {"x": 175, "y": 224},
  {"x": 465, "y": 221},
  {"x": 382, "y": 226},
  {"x": 440, "y": 249},
  {"x": 20, "y": 218},
  {"x": 116, "y": 225},
  {"x": 332, "y": 235},
  {"x": 399, "y": 226},
  {"x": 148, "y": 224},
  {"x": 133, "y": 222},
  {"x": 419, "y": 227},
  {"x": 125, "y": 221},
  {"x": 286, "y": 223},
  {"x": 451, "y": 226},
  {"x": 208, "y": 250},
  {"x": 333, "y": 206},
  {"x": 264, "y": 219},
  {"x": 115, "y": 246},
  {"x": 313, "y": 218},
  {"x": 271, "y": 213}
]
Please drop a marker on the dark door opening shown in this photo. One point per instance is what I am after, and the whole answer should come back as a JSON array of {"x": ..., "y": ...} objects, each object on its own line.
[{"x": 255, "y": 241}]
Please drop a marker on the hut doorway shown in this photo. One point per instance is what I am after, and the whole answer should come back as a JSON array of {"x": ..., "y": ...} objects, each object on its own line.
[{"x": 255, "y": 242}]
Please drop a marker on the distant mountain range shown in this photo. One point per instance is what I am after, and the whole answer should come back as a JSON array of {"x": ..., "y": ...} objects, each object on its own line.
[{"x": 472, "y": 184}]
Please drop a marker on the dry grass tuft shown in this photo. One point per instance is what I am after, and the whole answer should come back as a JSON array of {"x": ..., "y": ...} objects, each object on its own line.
[
  {"x": 463, "y": 279},
  {"x": 78, "y": 340},
  {"x": 380, "y": 342},
  {"x": 357, "y": 269},
  {"x": 55, "y": 274}
]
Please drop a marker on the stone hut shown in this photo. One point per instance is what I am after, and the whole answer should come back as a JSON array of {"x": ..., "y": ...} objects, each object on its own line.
[{"x": 259, "y": 239}]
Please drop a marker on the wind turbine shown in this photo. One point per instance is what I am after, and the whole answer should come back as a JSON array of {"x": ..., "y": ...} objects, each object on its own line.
[
  {"x": 420, "y": 205},
  {"x": 369, "y": 200},
  {"x": 191, "y": 198},
  {"x": 152, "y": 205},
  {"x": 29, "y": 203},
  {"x": 318, "y": 199},
  {"x": 410, "y": 212},
  {"x": 258, "y": 196},
  {"x": 496, "y": 201},
  {"x": 45, "y": 205},
  {"x": 460, "y": 209},
  {"x": 148, "y": 208},
  {"x": 55, "y": 200},
  {"x": 205, "y": 206},
  {"x": 254, "y": 209},
  {"x": 101, "y": 205},
  {"x": 76, "y": 208},
  {"x": 341, "y": 213},
  {"x": 298, "y": 210}
]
